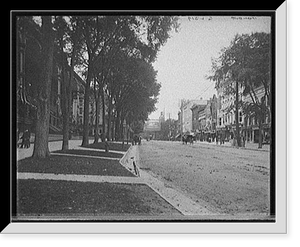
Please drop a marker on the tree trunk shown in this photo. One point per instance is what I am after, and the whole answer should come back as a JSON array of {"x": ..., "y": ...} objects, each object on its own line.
[
  {"x": 96, "y": 136},
  {"x": 112, "y": 132},
  {"x": 65, "y": 102},
  {"x": 109, "y": 119},
  {"x": 117, "y": 126},
  {"x": 41, "y": 149},
  {"x": 270, "y": 118},
  {"x": 121, "y": 129},
  {"x": 237, "y": 124},
  {"x": 127, "y": 133},
  {"x": 103, "y": 116},
  {"x": 259, "y": 132},
  {"x": 86, "y": 109}
]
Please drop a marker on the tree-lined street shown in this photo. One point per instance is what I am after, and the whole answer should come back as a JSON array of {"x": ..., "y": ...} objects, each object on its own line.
[{"x": 82, "y": 79}]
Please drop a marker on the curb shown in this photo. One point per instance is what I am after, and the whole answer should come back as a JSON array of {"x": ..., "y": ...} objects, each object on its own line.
[
  {"x": 79, "y": 178},
  {"x": 129, "y": 161},
  {"x": 178, "y": 200},
  {"x": 230, "y": 146},
  {"x": 85, "y": 156}
]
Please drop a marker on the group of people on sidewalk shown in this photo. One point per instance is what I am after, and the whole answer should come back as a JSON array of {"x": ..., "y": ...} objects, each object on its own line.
[
  {"x": 25, "y": 139},
  {"x": 220, "y": 138}
]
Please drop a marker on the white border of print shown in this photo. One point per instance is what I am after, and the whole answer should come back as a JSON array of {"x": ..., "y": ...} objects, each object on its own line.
[{"x": 280, "y": 227}]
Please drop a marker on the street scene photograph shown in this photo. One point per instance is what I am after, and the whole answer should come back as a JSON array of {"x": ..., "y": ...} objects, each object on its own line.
[{"x": 143, "y": 117}]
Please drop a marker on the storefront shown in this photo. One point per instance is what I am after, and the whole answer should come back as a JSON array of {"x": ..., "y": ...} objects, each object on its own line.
[{"x": 251, "y": 133}]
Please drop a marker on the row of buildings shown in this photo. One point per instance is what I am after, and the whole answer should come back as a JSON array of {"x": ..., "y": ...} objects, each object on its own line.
[{"x": 206, "y": 119}]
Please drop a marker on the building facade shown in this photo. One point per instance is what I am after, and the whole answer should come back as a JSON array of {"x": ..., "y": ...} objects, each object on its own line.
[
  {"x": 28, "y": 72},
  {"x": 248, "y": 125},
  {"x": 251, "y": 124},
  {"x": 198, "y": 114},
  {"x": 25, "y": 90},
  {"x": 187, "y": 114}
]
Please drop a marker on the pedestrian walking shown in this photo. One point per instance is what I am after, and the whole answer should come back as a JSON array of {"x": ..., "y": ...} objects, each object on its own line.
[
  {"x": 222, "y": 141},
  {"x": 25, "y": 139},
  {"x": 243, "y": 141},
  {"x": 103, "y": 138},
  {"x": 22, "y": 140},
  {"x": 106, "y": 145}
]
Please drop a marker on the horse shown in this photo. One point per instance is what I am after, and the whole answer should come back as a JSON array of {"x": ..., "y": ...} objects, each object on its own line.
[{"x": 188, "y": 138}]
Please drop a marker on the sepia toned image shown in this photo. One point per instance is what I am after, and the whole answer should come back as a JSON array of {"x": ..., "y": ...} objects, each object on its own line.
[{"x": 144, "y": 117}]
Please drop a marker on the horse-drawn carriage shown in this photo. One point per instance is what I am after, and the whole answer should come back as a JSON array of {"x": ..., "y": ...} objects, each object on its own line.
[
  {"x": 137, "y": 139},
  {"x": 188, "y": 138}
]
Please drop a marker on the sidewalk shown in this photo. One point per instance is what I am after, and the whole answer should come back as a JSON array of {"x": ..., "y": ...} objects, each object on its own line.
[
  {"x": 248, "y": 146},
  {"x": 70, "y": 186},
  {"x": 53, "y": 146}
]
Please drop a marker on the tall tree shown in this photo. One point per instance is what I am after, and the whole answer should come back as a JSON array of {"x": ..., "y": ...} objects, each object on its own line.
[
  {"x": 140, "y": 36},
  {"x": 62, "y": 62},
  {"x": 138, "y": 98},
  {"x": 41, "y": 149},
  {"x": 256, "y": 73},
  {"x": 245, "y": 64},
  {"x": 99, "y": 31},
  {"x": 69, "y": 42}
]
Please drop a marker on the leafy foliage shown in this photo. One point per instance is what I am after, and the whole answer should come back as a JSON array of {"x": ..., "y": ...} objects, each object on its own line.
[
  {"x": 246, "y": 62},
  {"x": 112, "y": 54}
]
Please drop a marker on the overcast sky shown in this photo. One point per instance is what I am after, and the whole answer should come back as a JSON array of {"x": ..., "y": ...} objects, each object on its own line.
[{"x": 185, "y": 60}]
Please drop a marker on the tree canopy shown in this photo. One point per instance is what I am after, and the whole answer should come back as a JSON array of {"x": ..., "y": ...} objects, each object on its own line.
[
  {"x": 112, "y": 54},
  {"x": 245, "y": 62}
]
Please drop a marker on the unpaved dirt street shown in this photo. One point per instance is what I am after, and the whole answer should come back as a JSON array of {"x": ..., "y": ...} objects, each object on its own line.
[{"x": 224, "y": 179}]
